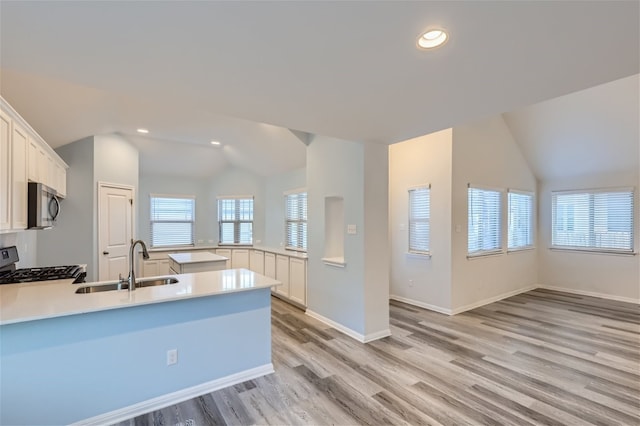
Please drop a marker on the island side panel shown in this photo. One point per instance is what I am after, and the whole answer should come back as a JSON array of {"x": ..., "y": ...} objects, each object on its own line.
[{"x": 66, "y": 369}]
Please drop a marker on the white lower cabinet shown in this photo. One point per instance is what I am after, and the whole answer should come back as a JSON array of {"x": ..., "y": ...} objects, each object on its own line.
[
  {"x": 298, "y": 280},
  {"x": 226, "y": 253},
  {"x": 256, "y": 261},
  {"x": 240, "y": 258},
  {"x": 155, "y": 267},
  {"x": 282, "y": 274}
]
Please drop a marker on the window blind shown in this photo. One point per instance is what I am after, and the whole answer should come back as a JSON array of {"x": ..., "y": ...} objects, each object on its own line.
[
  {"x": 600, "y": 220},
  {"x": 484, "y": 221},
  {"x": 172, "y": 220},
  {"x": 520, "y": 230},
  {"x": 419, "y": 219},
  {"x": 235, "y": 220},
  {"x": 296, "y": 221}
]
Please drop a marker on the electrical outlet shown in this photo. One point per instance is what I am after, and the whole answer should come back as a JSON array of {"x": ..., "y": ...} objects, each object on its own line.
[
  {"x": 410, "y": 283},
  {"x": 172, "y": 356}
]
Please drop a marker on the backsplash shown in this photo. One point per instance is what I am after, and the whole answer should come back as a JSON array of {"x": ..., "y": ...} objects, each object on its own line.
[{"x": 26, "y": 243}]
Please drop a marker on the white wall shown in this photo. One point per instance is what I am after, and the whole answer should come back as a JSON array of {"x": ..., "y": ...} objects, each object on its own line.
[
  {"x": 275, "y": 187},
  {"x": 26, "y": 243},
  {"x": 347, "y": 296},
  {"x": 236, "y": 181},
  {"x": 205, "y": 230},
  {"x": 614, "y": 276},
  {"x": 485, "y": 153},
  {"x": 423, "y": 160}
]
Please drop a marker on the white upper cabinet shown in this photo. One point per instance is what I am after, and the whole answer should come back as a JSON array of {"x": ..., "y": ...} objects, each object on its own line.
[
  {"x": 5, "y": 171},
  {"x": 24, "y": 157},
  {"x": 19, "y": 142}
]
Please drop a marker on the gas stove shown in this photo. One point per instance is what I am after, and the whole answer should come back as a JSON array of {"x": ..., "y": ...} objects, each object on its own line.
[{"x": 9, "y": 274}]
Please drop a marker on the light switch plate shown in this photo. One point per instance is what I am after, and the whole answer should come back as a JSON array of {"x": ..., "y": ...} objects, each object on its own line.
[{"x": 351, "y": 229}]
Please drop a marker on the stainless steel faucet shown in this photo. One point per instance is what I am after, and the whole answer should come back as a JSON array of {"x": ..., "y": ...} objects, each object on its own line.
[{"x": 145, "y": 255}]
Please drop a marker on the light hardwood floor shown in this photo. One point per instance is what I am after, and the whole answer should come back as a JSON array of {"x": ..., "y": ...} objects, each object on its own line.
[{"x": 542, "y": 357}]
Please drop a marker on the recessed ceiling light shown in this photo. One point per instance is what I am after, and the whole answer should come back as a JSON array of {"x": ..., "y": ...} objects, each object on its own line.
[
  {"x": 432, "y": 38},
  {"x": 216, "y": 143},
  {"x": 143, "y": 131}
]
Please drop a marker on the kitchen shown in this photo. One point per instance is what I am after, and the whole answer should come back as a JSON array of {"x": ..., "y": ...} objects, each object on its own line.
[{"x": 383, "y": 143}]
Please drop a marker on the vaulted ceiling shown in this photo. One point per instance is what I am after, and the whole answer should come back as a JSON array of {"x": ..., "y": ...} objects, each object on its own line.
[{"x": 196, "y": 71}]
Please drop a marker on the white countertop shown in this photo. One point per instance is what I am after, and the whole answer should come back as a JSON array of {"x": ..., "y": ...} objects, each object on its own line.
[
  {"x": 48, "y": 299},
  {"x": 196, "y": 257},
  {"x": 276, "y": 250}
]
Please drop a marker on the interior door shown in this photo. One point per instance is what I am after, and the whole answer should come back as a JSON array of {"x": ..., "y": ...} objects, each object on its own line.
[{"x": 115, "y": 230}]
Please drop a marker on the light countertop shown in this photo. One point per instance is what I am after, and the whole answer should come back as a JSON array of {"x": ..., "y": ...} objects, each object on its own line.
[
  {"x": 196, "y": 257},
  {"x": 202, "y": 248},
  {"x": 48, "y": 299}
]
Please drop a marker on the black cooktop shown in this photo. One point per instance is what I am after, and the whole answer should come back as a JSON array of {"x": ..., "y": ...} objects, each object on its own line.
[{"x": 26, "y": 275}]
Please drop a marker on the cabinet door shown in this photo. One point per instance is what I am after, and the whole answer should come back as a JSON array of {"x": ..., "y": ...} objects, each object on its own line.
[
  {"x": 282, "y": 274},
  {"x": 150, "y": 268},
  {"x": 226, "y": 253},
  {"x": 34, "y": 161},
  {"x": 61, "y": 180},
  {"x": 270, "y": 265},
  {"x": 5, "y": 171},
  {"x": 163, "y": 267},
  {"x": 298, "y": 280},
  {"x": 240, "y": 258},
  {"x": 19, "y": 142},
  {"x": 256, "y": 262}
]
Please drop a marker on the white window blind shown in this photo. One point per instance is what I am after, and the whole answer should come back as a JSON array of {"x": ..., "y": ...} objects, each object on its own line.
[
  {"x": 235, "y": 220},
  {"x": 520, "y": 231},
  {"x": 599, "y": 220},
  {"x": 484, "y": 221},
  {"x": 296, "y": 221},
  {"x": 172, "y": 220},
  {"x": 419, "y": 219}
]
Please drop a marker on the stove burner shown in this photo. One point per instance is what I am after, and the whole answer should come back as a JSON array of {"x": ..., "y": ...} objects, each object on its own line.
[{"x": 48, "y": 273}]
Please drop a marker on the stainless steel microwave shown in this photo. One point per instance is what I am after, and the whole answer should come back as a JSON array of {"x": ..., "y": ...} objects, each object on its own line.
[{"x": 43, "y": 206}]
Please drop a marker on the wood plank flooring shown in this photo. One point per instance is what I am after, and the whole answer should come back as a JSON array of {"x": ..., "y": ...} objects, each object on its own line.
[{"x": 539, "y": 358}]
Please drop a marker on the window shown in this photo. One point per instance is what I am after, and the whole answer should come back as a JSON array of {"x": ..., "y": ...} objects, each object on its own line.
[
  {"x": 520, "y": 232},
  {"x": 172, "y": 219},
  {"x": 296, "y": 220},
  {"x": 484, "y": 221},
  {"x": 599, "y": 220},
  {"x": 419, "y": 219},
  {"x": 235, "y": 220}
]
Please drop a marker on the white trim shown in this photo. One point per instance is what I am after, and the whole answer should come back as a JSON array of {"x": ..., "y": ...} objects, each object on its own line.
[
  {"x": 337, "y": 262},
  {"x": 591, "y": 293},
  {"x": 159, "y": 402},
  {"x": 235, "y": 197},
  {"x": 346, "y": 330},
  {"x": 179, "y": 196},
  {"x": 416, "y": 255},
  {"x": 594, "y": 190},
  {"x": 492, "y": 299},
  {"x": 420, "y": 304},
  {"x": 295, "y": 191},
  {"x": 610, "y": 252}
]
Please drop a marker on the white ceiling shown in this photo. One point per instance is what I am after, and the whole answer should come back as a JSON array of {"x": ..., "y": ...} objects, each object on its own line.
[
  {"x": 592, "y": 132},
  {"x": 344, "y": 69}
]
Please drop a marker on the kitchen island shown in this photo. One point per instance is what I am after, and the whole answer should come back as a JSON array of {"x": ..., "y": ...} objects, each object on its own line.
[
  {"x": 190, "y": 262},
  {"x": 99, "y": 358}
]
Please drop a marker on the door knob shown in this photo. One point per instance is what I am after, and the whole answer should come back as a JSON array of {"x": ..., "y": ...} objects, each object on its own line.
[{"x": 105, "y": 253}]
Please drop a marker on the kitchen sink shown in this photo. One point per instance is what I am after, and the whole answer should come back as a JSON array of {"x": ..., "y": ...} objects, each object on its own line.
[{"x": 125, "y": 286}]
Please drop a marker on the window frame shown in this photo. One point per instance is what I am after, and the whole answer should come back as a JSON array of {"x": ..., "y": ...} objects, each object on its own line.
[
  {"x": 305, "y": 230},
  {"x": 592, "y": 235},
  {"x": 500, "y": 235},
  {"x": 237, "y": 223},
  {"x": 410, "y": 249},
  {"x": 152, "y": 221},
  {"x": 532, "y": 228}
]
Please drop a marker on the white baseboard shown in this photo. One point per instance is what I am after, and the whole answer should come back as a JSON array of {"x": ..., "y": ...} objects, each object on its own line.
[
  {"x": 492, "y": 299},
  {"x": 349, "y": 332},
  {"x": 157, "y": 403},
  {"x": 591, "y": 293},
  {"x": 420, "y": 304},
  {"x": 462, "y": 308}
]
